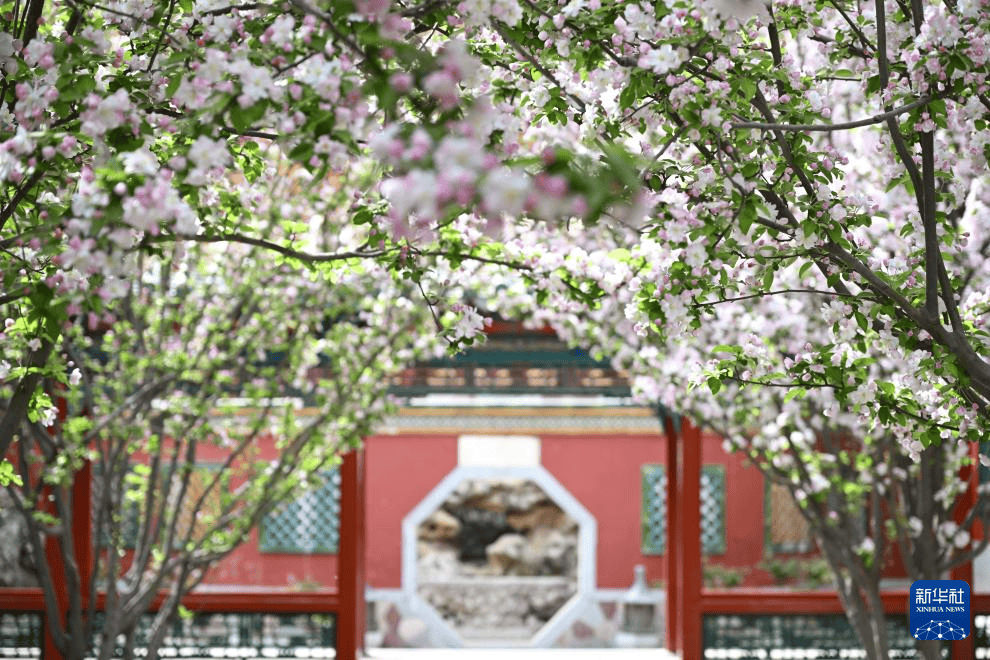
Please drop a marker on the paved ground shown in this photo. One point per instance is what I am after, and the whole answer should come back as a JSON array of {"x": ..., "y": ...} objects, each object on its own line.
[{"x": 520, "y": 654}]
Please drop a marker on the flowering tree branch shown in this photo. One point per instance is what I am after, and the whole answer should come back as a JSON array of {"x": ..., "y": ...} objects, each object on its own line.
[{"x": 839, "y": 126}]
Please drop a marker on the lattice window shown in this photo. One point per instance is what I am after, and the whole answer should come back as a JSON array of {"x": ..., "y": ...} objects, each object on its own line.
[
  {"x": 654, "y": 536},
  {"x": 235, "y": 635},
  {"x": 308, "y": 525},
  {"x": 751, "y": 636},
  {"x": 713, "y": 509},
  {"x": 654, "y": 511},
  {"x": 786, "y": 529},
  {"x": 21, "y": 635}
]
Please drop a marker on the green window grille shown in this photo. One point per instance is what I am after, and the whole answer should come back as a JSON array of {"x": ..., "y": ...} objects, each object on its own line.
[
  {"x": 713, "y": 510},
  {"x": 654, "y": 537},
  {"x": 308, "y": 525},
  {"x": 654, "y": 510}
]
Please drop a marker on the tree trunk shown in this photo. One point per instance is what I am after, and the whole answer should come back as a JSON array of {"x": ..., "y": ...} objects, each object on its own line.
[
  {"x": 860, "y": 603},
  {"x": 930, "y": 649}
]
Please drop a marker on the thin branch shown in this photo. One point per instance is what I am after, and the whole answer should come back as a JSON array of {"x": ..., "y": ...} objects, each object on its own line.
[
  {"x": 19, "y": 196},
  {"x": 760, "y": 103},
  {"x": 19, "y": 402},
  {"x": 827, "y": 128},
  {"x": 951, "y": 307},
  {"x": 11, "y": 297},
  {"x": 536, "y": 64},
  {"x": 244, "y": 7},
  {"x": 900, "y": 146},
  {"x": 483, "y": 260},
  {"x": 145, "y": 394},
  {"x": 429, "y": 304},
  {"x": 426, "y": 7},
  {"x": 231, "y": 237},
  {"x": 161, "y": 36},
  {"x": 867, "y": 46},
  {"x": 227, "y": 130},
  {"x": 671, "y": 139},
  {"x": 933, "y": 254},
  {"x": 330, "y": 23},
  {"x": 822, "y": 292},
  {"x": 109, "y": 10}
]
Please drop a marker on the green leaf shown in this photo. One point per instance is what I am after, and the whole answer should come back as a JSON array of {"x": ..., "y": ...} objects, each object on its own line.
[
  {"x": 627, "y": 97},
  {"x": 936, "y": 110},
  {"x": 714, "y": 384},
  {"x": 747, "y": 215},
  {"x": 746, "y": 86},
  {"x": 750, "y": 169},
  {"x": 173, "y": 85},
  {"x": 8, "y": 475},
  {"x": 362, "y": 216},
  {"x": 244, "y": 118},
  {"x": 302, "y": 152},
  {"x": 77, "y": 426}
]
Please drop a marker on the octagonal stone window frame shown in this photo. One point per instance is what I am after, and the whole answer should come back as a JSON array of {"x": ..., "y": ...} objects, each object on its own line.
[{"x": 565, "y": 617}]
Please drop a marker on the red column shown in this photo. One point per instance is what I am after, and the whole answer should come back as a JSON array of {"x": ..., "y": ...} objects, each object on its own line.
[
  {"x": 351, "y": 568},
  {"x": 82, "y": 527},
  {"x": 673, "y": 640},
  {"x": 689, "y": 503},
  {"x": 81, "y": 531},
  {"x": 57, "y": 568}
]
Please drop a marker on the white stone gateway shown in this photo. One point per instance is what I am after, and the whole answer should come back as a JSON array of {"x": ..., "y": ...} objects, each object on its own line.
[{"x": 494, "y": 457}]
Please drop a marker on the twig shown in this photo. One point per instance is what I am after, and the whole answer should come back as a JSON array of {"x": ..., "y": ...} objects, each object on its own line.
[
  {"x": 18, "y": 197},
  {"x": 536, "y": 64},
  {"x": 161, "y": 36},
  {"x": 867, "y": 46},
  {"x": 827, "y": 128},
  {"x": 308, "y": 257},
  {"x": 822, "y": 292},
  {"x": 232, "y": 8}
]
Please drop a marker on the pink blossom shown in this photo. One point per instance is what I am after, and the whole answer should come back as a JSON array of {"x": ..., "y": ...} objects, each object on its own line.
[
  {"x": 105, "y": 113},
  {"x": 401, "y": 82}
]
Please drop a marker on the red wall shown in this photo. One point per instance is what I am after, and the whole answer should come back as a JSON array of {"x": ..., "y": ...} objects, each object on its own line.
[
  {"x": 402, "y": 470},
  {"x": 296, "y": 572},
  {"x": 744, "y": 509},
  {"x": 602, "y": 471}
]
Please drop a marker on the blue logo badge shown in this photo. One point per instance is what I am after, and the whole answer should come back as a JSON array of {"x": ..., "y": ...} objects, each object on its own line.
[{"x": 939, "y": 609}]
